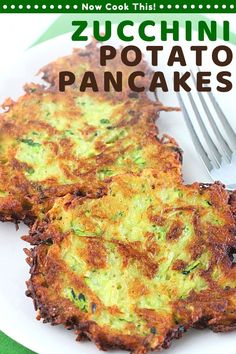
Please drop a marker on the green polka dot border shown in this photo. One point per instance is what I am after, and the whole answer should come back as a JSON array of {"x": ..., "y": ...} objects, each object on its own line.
[{"x": 118, "y": 6}]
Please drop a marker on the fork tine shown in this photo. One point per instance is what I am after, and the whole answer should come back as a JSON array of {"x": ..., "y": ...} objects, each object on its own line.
[
  {"x": 229, "y": 130},
  {"x": 196, "y": 141},
  {"x": 226, "y": 151},
  {"x": 215, "y": 155}
]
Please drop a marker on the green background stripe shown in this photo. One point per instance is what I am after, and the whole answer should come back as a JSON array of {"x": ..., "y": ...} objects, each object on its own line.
[
  {"x": 63, "y": 24},
  {"x": 224, "y": 6},
  {"x": 9, "y": 346}
]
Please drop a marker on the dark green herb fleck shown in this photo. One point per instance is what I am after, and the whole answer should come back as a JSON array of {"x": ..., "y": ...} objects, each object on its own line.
[
  {"x": 73, "y": 294},
  {"x": 153, "y": 330},
  {"x": 29, "y": 142},
  {"x": 189, "y": 269},
  {"x": 117, "y": 215},
  {"x": 30, "y": 171},
  {"x": 81, "y": 297},
  {"x": 104, "y": 121}
]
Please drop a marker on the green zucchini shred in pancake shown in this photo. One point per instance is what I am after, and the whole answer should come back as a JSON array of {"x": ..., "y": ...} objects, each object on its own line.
[
  {"x": 54, "y": 143},
  {"x": 137, "y": 266}
]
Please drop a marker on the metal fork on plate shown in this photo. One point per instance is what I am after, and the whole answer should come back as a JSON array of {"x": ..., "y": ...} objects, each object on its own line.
[{"x": 217, "y": 151}]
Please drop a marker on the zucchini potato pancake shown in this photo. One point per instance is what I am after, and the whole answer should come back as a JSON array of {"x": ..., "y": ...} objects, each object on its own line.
[
  {"x": 54, "y": 143},
  {"x": 137, "y": 266}
]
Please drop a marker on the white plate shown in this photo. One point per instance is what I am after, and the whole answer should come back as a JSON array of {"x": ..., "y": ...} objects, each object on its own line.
[{"x": 17, "y": 316}]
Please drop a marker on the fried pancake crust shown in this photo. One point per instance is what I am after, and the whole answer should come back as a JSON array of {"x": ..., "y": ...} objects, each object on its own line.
[
  {"x": 88, "y": 59},
  {"x": 137, "y": 266},
  {"x": 53, "y": 143}
]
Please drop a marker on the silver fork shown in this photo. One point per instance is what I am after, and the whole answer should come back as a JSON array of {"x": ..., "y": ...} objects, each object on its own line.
[{"x": 219, "y": 153}]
